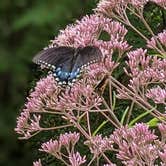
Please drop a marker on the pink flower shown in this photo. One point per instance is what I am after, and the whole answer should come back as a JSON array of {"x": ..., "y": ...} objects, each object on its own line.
[
  {"x": 80, "y": 96},
  {"x": 161, "y": 3},
  {"x": 37, "y": 163},
  {"x": 68, "y": 139},
  {"x": 151, "y": 43},
  {"x": 111, "y": 7},
  {"x": 162, "y": 128},
  {"x": 27, "y": 125},
  {"x": 109, "y": 165},
  {"x": 98, "y": 145},
  {"x": 44, "y": 90},
  {"x": 87, "y": 32},
  {"x": 76, "y": 159},
  {"x": 135, "y": 145},
  {"x": 114, "y": 8},
  {"x": 162, "y": 155},
  {"x": 161, "y": 37},
  {"x": 157, "y": 94},
  {"x": 22, "y": 122},
  {"x": 97, "y": 71},
  {"x": 145, "y": 69},
  {"x": 52, "y": 146},
  {"x": 138, "y": 3}
]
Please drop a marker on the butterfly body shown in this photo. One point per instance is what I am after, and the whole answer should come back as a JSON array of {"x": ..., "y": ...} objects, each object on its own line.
[{"x": 66, "y": 63}]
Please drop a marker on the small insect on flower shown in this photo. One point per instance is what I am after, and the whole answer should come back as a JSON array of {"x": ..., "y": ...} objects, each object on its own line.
[{"x": 67, "y": 63}]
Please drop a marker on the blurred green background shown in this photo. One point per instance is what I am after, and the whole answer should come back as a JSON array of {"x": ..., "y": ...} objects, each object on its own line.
[{"x": 26, "y": 26}]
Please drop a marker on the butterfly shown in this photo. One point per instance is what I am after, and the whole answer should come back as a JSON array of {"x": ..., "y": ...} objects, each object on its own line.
[{"x": 67, "y": 63}]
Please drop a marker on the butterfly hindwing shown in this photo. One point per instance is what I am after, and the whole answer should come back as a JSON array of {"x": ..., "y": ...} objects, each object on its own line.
[{"x": 85, "y": 56}]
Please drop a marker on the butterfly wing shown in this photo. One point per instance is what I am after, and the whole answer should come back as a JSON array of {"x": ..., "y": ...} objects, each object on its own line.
[
  {"x": 54, "y": 57},
  {"x": 66, "y": 62},
  {"x": 58, "y": 59},
  {"x": 85, "y": 57}
]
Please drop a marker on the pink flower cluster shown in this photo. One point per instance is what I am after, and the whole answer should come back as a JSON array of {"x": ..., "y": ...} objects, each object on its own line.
[
  {"x": 87, "y": 32},
  {"x": 39, "y": 98},
  {"x": 67, "y": 141},
  {"x": 144, "y": 69},
  {"x": 37, "y": 163},
  {"x": 110, "y": 7},
  {"x": 79, "y": 97},
  {"x": 76, "y": 159},
  {"x": 161, "y": 3},
  {"x": 138, "y": 145},
  {"x": 118, "y": 7},
  {"x": 157, "y": 94},
  {"x": 99, "y": 145},
  {"x": 133, "y": 146},
  {"x": 47, "y": 95},
  {"x": 161, "y": 37},
  {"x": 28, "y": 124}
]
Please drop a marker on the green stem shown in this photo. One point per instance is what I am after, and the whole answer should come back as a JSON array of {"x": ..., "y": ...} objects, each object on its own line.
[{"x": 129, "y": 113}]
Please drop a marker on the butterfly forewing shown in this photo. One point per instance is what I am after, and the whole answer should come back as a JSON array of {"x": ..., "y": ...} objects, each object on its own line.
[{"x": 54, "y": 56}]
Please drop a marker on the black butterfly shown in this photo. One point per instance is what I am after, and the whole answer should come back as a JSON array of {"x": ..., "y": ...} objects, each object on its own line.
[{"x": 66, "y": 63}]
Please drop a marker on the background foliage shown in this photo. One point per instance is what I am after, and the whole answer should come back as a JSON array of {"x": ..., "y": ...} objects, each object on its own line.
[{"x": 26, "y": 27}]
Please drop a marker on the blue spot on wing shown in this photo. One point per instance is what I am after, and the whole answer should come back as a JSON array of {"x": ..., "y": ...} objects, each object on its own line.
[
  {"x": 74, "y": 74},
  {"x": 64, "y": 76}
]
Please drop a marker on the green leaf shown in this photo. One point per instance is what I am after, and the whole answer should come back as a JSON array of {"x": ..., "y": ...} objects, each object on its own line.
[
  {"x": 159, "y": 55},
  {"x": 99, "y": 128},
  {"x": 124, "y": 115},
  {"x": 154, "y": 122},
  {"x": 140, "y": 117},
  {"x": 114, "y": 100}
]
